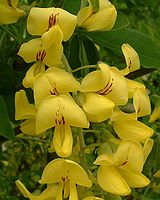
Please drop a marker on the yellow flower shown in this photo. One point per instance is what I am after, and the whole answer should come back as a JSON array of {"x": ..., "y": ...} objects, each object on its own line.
[
  {"x": 132, "y": 59},
  {"x": 67, "y": 174},
  {"x": 92, "y": 198},
  {"x": 141, "y": 100},
  {"x": 48, "y": 194},
  {"x": 60, "y": 112},
  {"x": 53, "y": 81},
  {"x": 122, "y": 170},
  {"x": 147, "y": 148},
  {"x": 103, "y": 88},
  {"x": 102, "y": 20},
  {"x": 155, "y": 114},
  {"x": 43, "y": 21},
  {"x": 157, "y": 174},
  {"x": 37, "y": 51},
  {"x": 9, "y": 11},
  {"x": 25, "y": 111},
  {"x": 127, "y": 127}
]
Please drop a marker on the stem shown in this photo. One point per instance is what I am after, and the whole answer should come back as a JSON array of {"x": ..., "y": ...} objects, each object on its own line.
[
  {"x": 66, "y": 64},
  {"x": 84, "y": 67}
]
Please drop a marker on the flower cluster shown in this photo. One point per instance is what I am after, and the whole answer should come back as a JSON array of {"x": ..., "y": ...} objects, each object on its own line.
[{"x": 61, "y": 101}]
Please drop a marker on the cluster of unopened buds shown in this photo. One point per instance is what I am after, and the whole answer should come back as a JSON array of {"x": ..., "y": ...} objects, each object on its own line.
[{"x": 62, "y": 101}]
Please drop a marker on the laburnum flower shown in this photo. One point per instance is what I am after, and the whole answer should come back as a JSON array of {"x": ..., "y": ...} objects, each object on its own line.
[
  {"x": 46, "y": 21},
  {"x": 128, "y": 127},
  {"x": 147, "y": 148},
  {"x": 60, "y": 112},
  {"x": 25, "y": 111},
  {"x": 155, "y": 114},
  {"x": 141, "y": 101},
  {"x": 122, "y": 170},
  {"x": 54, "y": 81},
  {"x": 48, "y": 194},
  {"x": 43, "y": 54},
  {"x": 131, "y": 58},
  {"x": 92, "y": 198},
  {"x": 67, "y": 174},
  {"x": 103, "y": 19},
  {"x": 103, "y": 89},
  {"x": 10, "y": 13}
]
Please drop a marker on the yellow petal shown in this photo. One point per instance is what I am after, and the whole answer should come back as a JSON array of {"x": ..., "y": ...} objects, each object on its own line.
[
  {"x": 63, "y": 141},
  {"x": 59, "y": 110},
  {"x": 132, "y": 129},
  {"x": 9, "y": 12},
  {"x": 96, "y": 80},
  {"x": 103, "y": 20},
  {"x": 120, "y": 116},
  {"x": 54, "y": 81},
  {"x": 103, "y": 109},
  {"x": 29, "y": 50},
  {"x": 129, "y": 155},
  {"x": 73, "y": 192},
  {"x": 111, "y": 181},
  {"x": 63, "y": 168},
  {"x": 33, "y": 71},
  {"x": 104, "y": 159},
  {"x": 157, "y": 174},
  {"x": 28, "y": 127},
  {"x": 39, "y": 21},
  {"x": 53, "y": 36},
  {"x": 141, "y": 102},
  {"x": 23, "y": 190},
  {"x": 155, "y": 114},
  {"x": 132, "y": 59},
  {"x": 24, "y": 110},
  {"x": 92, "y": 198},
  {"x": 133, "y": 86},
  {"x": 134, "y": 180},
  {"x": 147, "y": 148}
]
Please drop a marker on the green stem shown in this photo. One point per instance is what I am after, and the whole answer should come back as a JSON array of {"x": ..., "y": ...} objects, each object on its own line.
[
  {"x": 66, "y": 64},
  {"x": 83, "y": 67},
  {"x": 10, "y": 33}
]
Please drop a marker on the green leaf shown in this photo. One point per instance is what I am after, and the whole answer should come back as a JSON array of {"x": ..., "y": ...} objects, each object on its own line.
[
  {"x": 121, "y": 22},
  {"x": 5, "y": 125},
  {"x": 72, "y": 6},
  {"x": 147, "y": 49}
]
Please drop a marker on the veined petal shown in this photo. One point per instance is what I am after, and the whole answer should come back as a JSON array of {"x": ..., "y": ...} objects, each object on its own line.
[
  {"x": 96, "y": 80},
  {"x": 73, "y": 192},
  {"x": 53, "y": 36},
  {"x": 132, "y": 59},
  {"x": 129, "y": 155},
  {"x": 28, "y": 127},
  {"x": 63, "y": 168},
  {"x": 29, "y": 50},
  {"x": 155, "y": 114},
  {"x": 41, "y": 19},
  {"x": 24, "y": 110},
  {"x": 63, "y": 141},
  {"x": 117, "y": 90},
  {"x": 59, "y": 110},
  {"x": 132, "y": 129},
  {"x": 141, "y": 102},
  {"x": 134, "y": 180},
  {"x": 102, "y": 20},
  {"x": 9, "y": 12},
  {"x": 54, "y": 81},
  {"x": 101, "y": 111},
  {"x": 111, "y": 181},
  {"x": 33, "y": 71}
]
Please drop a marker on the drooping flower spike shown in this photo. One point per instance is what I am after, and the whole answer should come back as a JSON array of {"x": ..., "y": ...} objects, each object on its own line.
[
  {"x": 10, "y": 13},
  {"x": 122, "y": 170},
  {"x": 102, "y": 20},
  {"x": 48, "y": 194},
  {"x": 25, "y": 111},
  {"x": 127, "y": 127},
  {"x": 60, "y": 112},
  {"x": 67, "y": 174},
  {"x": 103, "y": 88}
]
